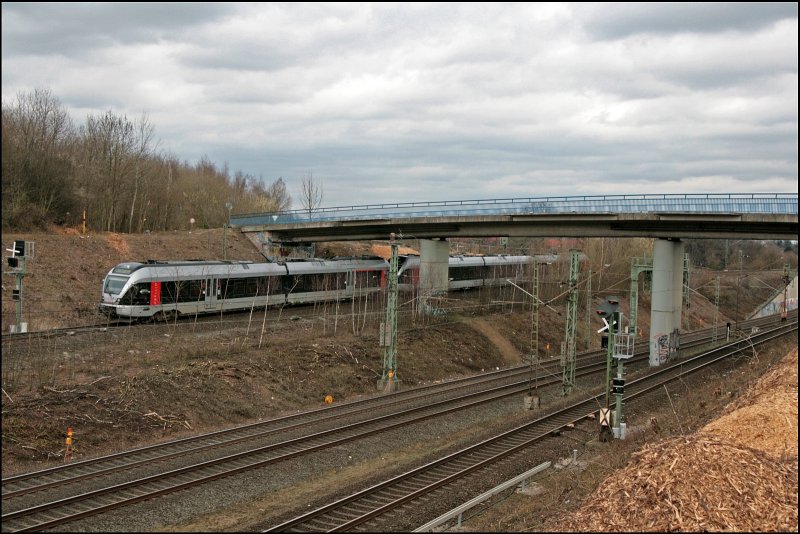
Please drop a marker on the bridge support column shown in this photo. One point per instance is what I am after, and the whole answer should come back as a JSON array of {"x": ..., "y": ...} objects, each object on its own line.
[
  {"x": 434, "y": 259},
  {"x": 678, "y": 248},
  {"x": 667, "y": 296}
]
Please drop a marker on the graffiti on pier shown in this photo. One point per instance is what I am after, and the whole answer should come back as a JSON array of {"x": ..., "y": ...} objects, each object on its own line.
[{"x": 662, "y": 348}]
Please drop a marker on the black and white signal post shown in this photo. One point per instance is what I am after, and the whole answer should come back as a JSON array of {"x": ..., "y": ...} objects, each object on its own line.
[
  {"x": 17, "y": 264},
  {"x": 620, "y": 347}
]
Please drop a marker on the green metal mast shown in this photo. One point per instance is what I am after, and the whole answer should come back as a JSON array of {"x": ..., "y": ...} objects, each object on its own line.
[
  {"x": 588, "y": 306},
  {"x": 534, "y": 361},
  {"x": 638, "y": 266},
  {"x": 716, "y": 312},
  {"x": 390, "y": 346},
  {"x": 568, "y": 377},
  {"x": 786, "y": 279},
  {"x": 686, "y": 290}
]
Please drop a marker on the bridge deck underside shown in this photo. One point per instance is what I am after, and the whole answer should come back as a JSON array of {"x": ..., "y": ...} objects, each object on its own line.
[{"x": 692, "y": 225}]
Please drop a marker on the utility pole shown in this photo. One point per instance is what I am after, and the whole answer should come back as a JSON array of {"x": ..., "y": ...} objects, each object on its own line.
[
  {"x": 686, "y": 295},
  {"x": 388, "y": 381},
  {"x": 534, "y": 325},
  {"x": 638, "y": 266},
  {"x": 568, "y": 375},
  {"x": 738, "y": 283},
  {"x": 228, "y": 206},
  {"x": 588, "y": 306},
  {"x": 786, "y": 280},
  {"x": 532, "y": 401},
  {"x": 716, "y": 312}
]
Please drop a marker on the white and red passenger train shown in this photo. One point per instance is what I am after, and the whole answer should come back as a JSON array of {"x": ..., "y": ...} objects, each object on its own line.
[{"x": 166, "y": 289}]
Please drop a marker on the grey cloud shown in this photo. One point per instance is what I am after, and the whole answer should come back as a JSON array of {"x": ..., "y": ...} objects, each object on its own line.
[
  {"x": 34, "y": 28},
  {"x": 618, "y": 20},
  {"x": 412, "y": 102}
]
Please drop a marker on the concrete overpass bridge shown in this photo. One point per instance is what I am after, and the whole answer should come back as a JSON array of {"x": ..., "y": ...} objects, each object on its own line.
[
  {"x": 737, "y": 216},
  {"x": 666, "y": 217}
]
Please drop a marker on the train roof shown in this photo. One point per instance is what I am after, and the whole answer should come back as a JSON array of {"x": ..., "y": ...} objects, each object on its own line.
[
  {"x": 132, "y": 266},
  {"x": 336, "y": 265},
  {"x": 217, "y": 267}
]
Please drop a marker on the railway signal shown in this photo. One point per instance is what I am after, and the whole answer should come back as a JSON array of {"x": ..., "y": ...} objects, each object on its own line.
[
  {"x": 608, "y": 312},
  {"x": 20, "y": 251},
  {"x": 619, "y": 347},
  {"x": 618, "y": 386}
]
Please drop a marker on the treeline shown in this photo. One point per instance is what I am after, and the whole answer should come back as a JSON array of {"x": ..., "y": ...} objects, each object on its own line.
[
  {"x": 111, "y": 167},
  {"x": 733, "y": 254}
]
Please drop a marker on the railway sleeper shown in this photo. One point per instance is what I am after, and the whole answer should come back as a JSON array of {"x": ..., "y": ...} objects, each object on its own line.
[
  {"x": 362, "y": 507},
  {"x": 317, "y": 524},
  {"x": 344, "y": 514},
  {"x": 375, "y": 500},
  {"x": 393, "y": 493}
]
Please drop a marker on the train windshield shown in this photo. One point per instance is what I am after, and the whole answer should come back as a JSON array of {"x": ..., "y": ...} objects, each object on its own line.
[{"x": 114, "y": 284}]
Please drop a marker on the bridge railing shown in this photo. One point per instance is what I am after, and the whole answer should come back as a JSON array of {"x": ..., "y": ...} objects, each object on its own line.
[{"x": 764, "y": 203}]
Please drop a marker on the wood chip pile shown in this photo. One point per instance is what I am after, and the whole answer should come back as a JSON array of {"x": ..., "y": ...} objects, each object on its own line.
[
  {"x": 765, "y": 417},
  {"x": 737, "y": 474}
]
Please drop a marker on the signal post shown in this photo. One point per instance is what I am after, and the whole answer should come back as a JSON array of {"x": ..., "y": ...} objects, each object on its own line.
[
  {"x": 17, "y": 264},
  {"x": 620, "y": 347}
]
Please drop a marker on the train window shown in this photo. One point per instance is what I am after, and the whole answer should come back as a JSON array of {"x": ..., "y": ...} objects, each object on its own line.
[
  {"x": 114, "y": 284},
  {"x": 137, "y": 295},
  {"x": 368, "y": 279},
  {"x": 270, "y": 285},
  {"x": 169, "y": 292},
  {"x": 190, "y": 290},
  {"x": 237, "y": 288},
  {"x": 466, "y": 273},
  {"x": 122, "y": 269},
  {"x": 306, "y": 283}
]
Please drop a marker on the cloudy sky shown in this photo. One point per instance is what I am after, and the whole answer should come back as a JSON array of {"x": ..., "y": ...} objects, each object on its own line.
[{"x": 413, "y": 102}]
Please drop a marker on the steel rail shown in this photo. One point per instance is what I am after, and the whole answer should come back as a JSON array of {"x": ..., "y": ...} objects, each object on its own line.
[
  {"x": 29, "y": 519},
  {"x": 356, "y": 511},
  {"x": 152, "y": 488},
  {"x": 26, "y": 483}
]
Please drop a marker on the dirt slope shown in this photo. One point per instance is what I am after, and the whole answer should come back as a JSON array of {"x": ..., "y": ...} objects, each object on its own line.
[
  {"x": 62, "y": 286},
  {"x": 131, "y": 387}
]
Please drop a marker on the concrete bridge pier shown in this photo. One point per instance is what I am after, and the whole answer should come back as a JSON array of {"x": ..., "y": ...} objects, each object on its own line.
[
  {"x": 434, "y": 259},
  {"x": 667, "y": 299}
]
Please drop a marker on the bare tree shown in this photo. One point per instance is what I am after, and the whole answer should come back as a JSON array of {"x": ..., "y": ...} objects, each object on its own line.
[
  {"x": 278, "y": 193},
  {"x": 310, "y": 193},
  {"x": 141, "y": 149},
  {"x": 37, "y": 170}
]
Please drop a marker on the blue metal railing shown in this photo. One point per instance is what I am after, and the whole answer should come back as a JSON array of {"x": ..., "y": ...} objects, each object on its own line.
[{"x": 764, "y": 203}]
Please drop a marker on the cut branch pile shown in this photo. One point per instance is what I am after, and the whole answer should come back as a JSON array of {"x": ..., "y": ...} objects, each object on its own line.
[
  {"x": 739, "y": 473},
  {"x": 694, "y": 483},
  {"x": 765, "y": 417}
]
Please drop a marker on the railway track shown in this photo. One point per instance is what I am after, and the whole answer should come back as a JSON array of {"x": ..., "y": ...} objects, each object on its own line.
[
  {"x": 258, "y": 445},
  {"x": 362, "y": 510}
]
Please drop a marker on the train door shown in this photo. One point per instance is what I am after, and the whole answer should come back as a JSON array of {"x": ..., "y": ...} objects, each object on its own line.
[
  {"x": 349, "y": 284},
  {"x": 210, "y": 290}
]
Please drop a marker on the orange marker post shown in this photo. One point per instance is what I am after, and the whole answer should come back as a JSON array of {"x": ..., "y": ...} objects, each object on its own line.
[{"x": 68, "y": 450}]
